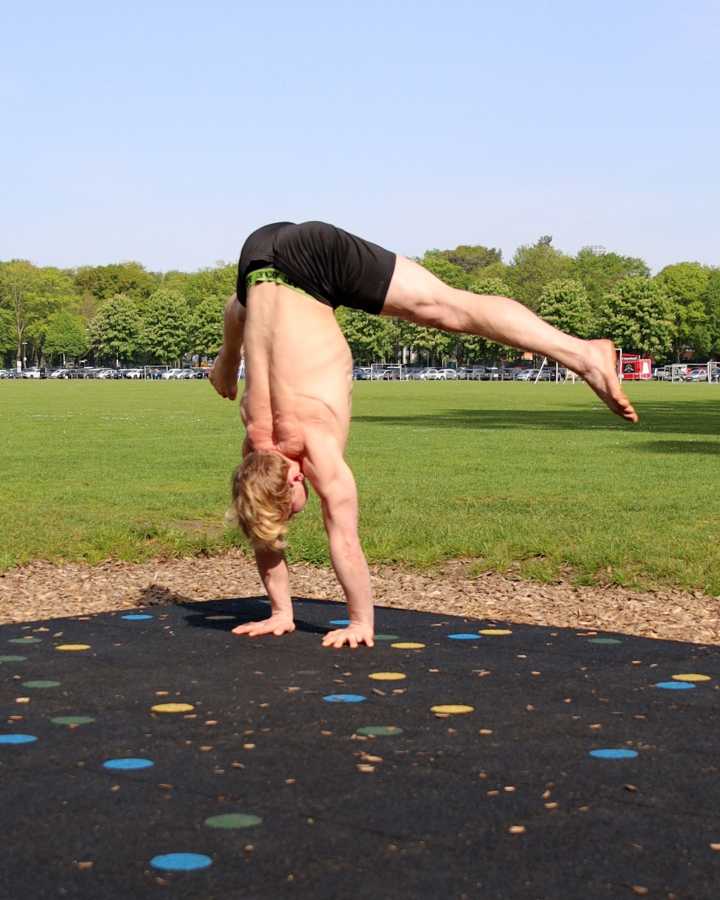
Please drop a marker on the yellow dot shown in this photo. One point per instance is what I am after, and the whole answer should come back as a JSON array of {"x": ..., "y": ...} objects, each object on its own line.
[
  {"x": 408, "y": 645},
  {"x": 387, "y": 676},
  {"x": 452, "y": 709},
  {"x": 73, "y": 647},
  {"x": 172, "y": 708},
  {"x": 495, "y": 632},
  {"x": 691, "y": 676}
]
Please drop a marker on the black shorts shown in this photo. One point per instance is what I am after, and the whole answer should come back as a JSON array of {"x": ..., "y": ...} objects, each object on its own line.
[{"x": 334, "y": 266}]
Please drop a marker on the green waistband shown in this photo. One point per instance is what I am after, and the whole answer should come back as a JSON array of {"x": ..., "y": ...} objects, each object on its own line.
[{"x": 273, "y": 276}]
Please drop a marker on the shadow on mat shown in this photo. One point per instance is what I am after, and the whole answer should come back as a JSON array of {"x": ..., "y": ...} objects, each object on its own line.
[{"x": 242, "y": 609}]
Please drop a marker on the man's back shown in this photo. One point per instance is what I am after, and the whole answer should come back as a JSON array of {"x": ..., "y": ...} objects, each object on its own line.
[{"x": 298, "y": 370}]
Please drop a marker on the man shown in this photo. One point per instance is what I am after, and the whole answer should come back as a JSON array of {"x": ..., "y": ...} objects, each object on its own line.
[{"x": 296, "y": 404}]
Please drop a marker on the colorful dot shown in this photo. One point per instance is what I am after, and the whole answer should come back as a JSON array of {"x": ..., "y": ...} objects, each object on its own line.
[
  {"x": 339, "y": 621},
  {"x": 387, "y": 637},
  {"x": 379, "y": 730},
  {"x": 72, "y": 720},
  {"x": 25, "y": 640},
  {"x": 452, "y": 709},
  {"x": 408, "y": 645},
  {"x": 675, "y": 685},
  {"x": 180, "y": 862},
  {"x": 344, "y": 698},
  {"x": 691, "y": 676},
  {"x": 136, "y": 617},
  {"x": 17, "y": 738},
  {"x": 73, "y": 647},
  {"x": 464, "y": 636},
  {"x": 387, "y": 676},
  {"x": 4, "y": 659},
  {"x": 40, "y": 684},
  {"x": 128, "y": 764},
  {"x": 610, "y": 753},
  {"x": 495, "y": 632},
  {"x": 233, "y": 820},
  {"x": 604, "y": 641},
  {"x": 173, "y": 707}
]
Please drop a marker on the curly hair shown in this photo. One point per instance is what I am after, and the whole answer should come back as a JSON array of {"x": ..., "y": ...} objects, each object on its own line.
[{"x": 261, "y": 499}]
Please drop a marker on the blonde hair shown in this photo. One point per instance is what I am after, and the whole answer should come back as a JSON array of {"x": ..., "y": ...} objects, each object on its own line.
[{"x": 261, "y": 499}]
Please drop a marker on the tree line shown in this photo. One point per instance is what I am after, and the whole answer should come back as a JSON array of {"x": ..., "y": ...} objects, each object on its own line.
[{"x": 124, "y": 314}]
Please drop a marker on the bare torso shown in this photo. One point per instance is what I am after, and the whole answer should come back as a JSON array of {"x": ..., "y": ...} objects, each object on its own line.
[{"x": 298, "y": 371}]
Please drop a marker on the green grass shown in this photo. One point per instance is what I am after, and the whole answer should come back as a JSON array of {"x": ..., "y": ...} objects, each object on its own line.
[{"x": 536, "y": 479}]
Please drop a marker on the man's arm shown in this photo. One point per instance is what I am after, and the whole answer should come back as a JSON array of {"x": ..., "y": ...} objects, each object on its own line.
[
  {"x": 334, "y": 483},
  {"x": 225, "y": 370},
  {"x": 275, "y": 577}
]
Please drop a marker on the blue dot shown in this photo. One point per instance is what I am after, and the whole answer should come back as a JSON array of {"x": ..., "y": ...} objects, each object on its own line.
[
  {"x": 344, "y": 698},
  {"x": 180, "y": 862},
  {"x": 675, "y": 685},
  {"x": 17, "y": 738},
  {"x": 136, "y": 617},
  {"x": 339, "y": 621},
  {"x": 463, "y": 636},
  {"x": 128, "y": 764},
  {"x": 614, "y": 754}
]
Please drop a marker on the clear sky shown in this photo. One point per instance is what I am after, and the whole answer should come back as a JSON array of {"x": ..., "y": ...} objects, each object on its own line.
[{"x": 167, "y": 131}]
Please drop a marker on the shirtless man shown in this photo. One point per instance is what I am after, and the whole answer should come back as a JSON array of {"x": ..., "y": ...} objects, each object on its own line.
[{"x": 296, "y": 404}]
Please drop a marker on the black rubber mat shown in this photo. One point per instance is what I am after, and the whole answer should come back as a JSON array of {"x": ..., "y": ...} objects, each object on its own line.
[{"x": 522, "y": 762}]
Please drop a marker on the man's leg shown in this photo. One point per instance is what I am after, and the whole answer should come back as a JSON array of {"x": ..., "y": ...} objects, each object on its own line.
[{"x": 418, "y": 296}]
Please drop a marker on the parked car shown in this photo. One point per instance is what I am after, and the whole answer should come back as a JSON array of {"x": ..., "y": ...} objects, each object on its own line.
[
  {"x": 429, "y": 374},
  {"x": 34, "y": 372},
  {"x": 447, "y": 375},
  {"x": 133, "y": 373},
  {"x": 526, "y": 375}
]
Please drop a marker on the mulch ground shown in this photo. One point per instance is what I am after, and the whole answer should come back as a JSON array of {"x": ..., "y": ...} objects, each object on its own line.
[
  {"x": 161, "y": 755},
  {"x": 43, "y": 590}
]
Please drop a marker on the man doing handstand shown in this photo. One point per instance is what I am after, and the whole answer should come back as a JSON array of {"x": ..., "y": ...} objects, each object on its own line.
[{"x": 298, "y": 382}]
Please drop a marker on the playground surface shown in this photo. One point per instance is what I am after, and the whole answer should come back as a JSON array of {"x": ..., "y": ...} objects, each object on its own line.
[{"x": 151, "y": 749}]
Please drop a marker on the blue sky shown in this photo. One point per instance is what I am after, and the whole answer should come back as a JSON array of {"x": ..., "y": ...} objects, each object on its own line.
[{"x": 166, "y": 132}]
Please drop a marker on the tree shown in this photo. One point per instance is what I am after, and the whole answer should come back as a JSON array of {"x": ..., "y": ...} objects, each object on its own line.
[
  {"x": 128, "y": 278},
  {"x": 471, "y": 259},
  {"x": 7, "y": 332},
  {"x": 565, "y": 304},
  {"x": 369, "y": 337},
  {"x": 711, "y": 299},
  {"x": 535, "y": 266},
  {"x": 446, "y": 271},
  {"x": 639, "y": 316},
  {"x": 206, "y": 326},
  {"x": 599, "y": 271},
  {"x": 686, "y": 283},
  {"x": 66, "y": 334},
  {"x": 165, "y": 325},
  {"x": 116, "y": 330}
]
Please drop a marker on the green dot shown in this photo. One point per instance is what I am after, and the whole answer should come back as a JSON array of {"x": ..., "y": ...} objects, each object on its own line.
[
  {"x": 387, "y": 637},
  {"x": 40, "y": 684},
  {"x": 233, "y": 820},
  {"x": 25, "y": 640},
  {"x": 379, "y": 730},
  {"x": 604, "y": 641},
  {"x": 12, "y": 659},
  {"x": 72, "y": 720}
]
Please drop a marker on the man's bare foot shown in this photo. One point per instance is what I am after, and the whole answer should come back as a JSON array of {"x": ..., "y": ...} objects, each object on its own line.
[
  {"x": 600, "y": 372},
  {"x": 224, "y": 375},
  {"x": 276, "y": 625}
]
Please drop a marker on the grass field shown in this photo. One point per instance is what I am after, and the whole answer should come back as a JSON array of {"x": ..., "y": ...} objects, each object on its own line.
[{"x": 536, "y": 478}]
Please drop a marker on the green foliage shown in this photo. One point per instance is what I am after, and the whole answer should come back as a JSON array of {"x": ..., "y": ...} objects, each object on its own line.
[
  {"x": 638, "y": 316},
  {"x": 565, "y": 304},
  {"x": 116, "y": 331},
  {"x": 206, "y": 326},
  {"x": 533, "y": 267},
  {"x": 128, "y": 278},
  {"x": 599, "y": 271},
  {"x": 66, "y": 334},
  {"x": 7, "y": 331},
  {"x": 165, "y": 326},
  {"x": 712, "y": 309},
  {"x": 446, "y": 271},
  {"x": 686, "y": 283},
  {"x": 370, "y": 338},
  {"x": 471, "y": 259}
]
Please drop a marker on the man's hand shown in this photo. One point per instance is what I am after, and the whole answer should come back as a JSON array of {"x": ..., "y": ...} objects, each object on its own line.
[
  {"x": 353, "y": 635},
  {"x": 224, "y": 374},
  {"x": 276, "y": 624}
]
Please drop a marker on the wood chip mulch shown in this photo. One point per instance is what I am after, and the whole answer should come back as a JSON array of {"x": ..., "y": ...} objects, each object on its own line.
[{"x": 43, "y": 590}]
